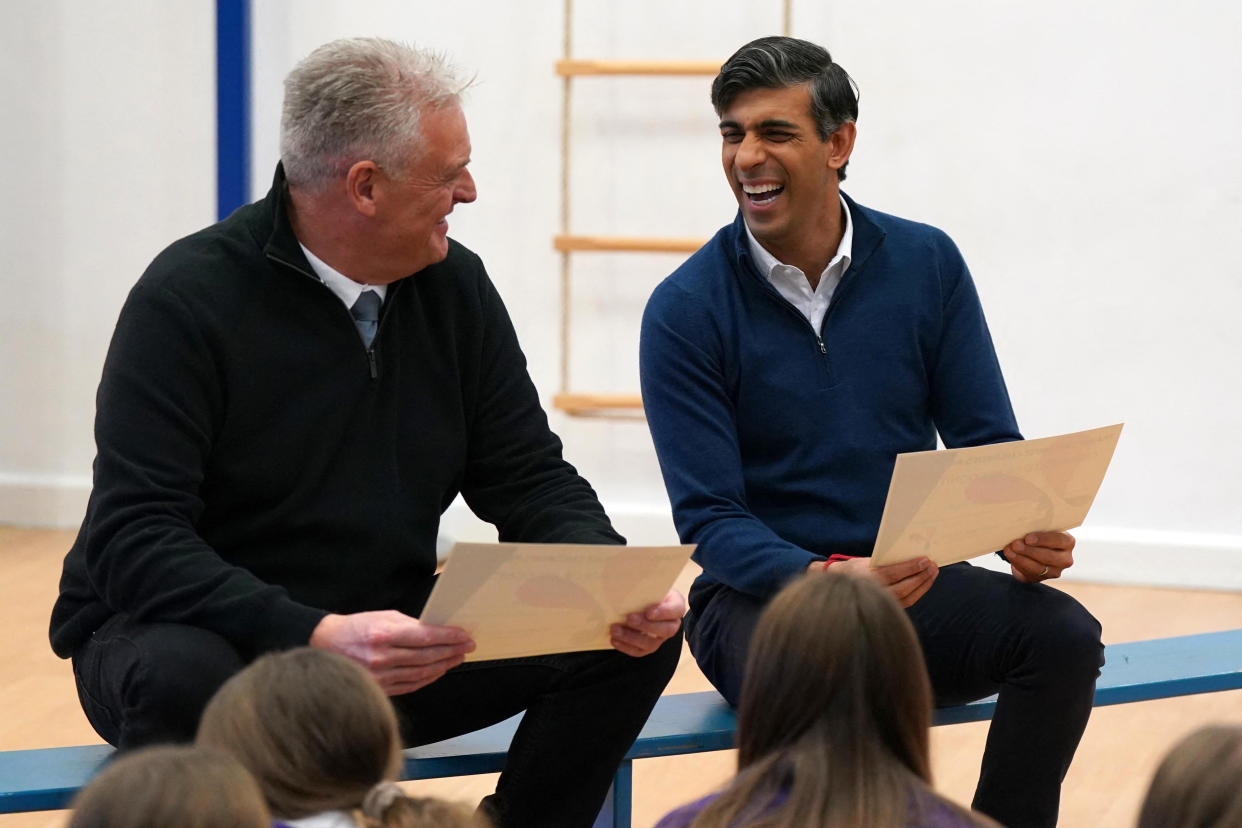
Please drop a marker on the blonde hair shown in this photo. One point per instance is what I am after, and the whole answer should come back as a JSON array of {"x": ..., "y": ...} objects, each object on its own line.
[
  {"x": 834, "y": 715},
  {"x": 318, "y": 734},
  {"x": 1199, "y": 782},
  {"x": 159, "y": 786}
]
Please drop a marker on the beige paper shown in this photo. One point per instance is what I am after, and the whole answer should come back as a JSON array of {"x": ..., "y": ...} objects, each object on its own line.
[
  {"x": 955, "y": 504},
  {"x": 524, "y": 599}
]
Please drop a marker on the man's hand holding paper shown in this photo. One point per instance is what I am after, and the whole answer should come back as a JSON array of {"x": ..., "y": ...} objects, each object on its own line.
[
  {"x": 1040, "y": 556},
  {"x": 956, "y": 504},
  {"x": 643, "y": 632},
  {"x": 907, "y": 581},
  {"x": 402, "y": 653},
  {"x": 520, "y": 599}
]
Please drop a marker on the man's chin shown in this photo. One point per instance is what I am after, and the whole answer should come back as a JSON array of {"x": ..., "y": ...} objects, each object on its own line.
[
  {"x": 434, "y": 254},
  {"x": 761, "y": 224}
]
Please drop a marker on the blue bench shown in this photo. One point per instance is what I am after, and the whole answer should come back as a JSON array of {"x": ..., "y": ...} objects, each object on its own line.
[{"x": 46, "y": 779}]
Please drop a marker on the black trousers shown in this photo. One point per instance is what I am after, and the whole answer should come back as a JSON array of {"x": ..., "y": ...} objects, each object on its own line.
[
  {"x": 982, "y": 632},
  {"x": 144, "y": 683}
]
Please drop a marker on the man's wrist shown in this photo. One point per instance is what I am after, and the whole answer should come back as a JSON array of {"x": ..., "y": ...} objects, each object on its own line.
[
  {"x": 821, "y": 565},
  {"x": 324, "y": 633}
]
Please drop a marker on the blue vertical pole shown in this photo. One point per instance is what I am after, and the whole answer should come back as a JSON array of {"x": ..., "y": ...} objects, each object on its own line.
[
  {"x": 617, "y": 805},
  {"x": 232, "y": 105}
]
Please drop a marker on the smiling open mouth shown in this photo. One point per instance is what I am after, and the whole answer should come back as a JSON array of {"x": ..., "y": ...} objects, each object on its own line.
[{"x": 760, "y": 194}]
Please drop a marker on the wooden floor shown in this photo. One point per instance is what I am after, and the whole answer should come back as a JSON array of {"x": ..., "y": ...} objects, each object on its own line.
[{"x": 39, "y": 708}]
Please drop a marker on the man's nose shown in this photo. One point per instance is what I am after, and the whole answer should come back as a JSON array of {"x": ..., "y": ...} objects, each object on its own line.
[
  {"x": 750, "y": 152},
  {"x": 465, "y": 191}
]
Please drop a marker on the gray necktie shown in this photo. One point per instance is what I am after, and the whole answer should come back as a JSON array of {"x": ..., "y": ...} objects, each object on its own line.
[{"x": 366, "y": 315}]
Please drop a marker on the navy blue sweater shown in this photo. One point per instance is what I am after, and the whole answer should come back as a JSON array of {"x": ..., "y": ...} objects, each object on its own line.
[{"x": 777, "y": 442}]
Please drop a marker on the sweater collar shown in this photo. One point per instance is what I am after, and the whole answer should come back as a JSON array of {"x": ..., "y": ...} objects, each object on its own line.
[
  {"x": 868, "y": 235},
  {"x": 282, "y": 245}
]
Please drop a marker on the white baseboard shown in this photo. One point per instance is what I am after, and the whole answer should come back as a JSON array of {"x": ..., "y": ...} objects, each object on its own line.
[
  {"x": 55, "y": 501},
  {"x": 1111, "y": 555}
]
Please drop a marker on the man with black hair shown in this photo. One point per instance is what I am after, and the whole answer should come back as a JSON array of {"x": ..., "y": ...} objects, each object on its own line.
[{"x": 787, "y": 363}]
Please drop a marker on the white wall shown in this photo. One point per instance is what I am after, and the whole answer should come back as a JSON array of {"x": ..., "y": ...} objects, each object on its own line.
[
  {"x": 108, "y": 154},
  {"x": 1084, "y": 157}
]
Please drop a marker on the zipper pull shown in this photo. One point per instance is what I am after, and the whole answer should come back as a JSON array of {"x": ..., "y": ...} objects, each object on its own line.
[
  {"x": 820, "y": 340},
  {"x": 371, "y": 361}
]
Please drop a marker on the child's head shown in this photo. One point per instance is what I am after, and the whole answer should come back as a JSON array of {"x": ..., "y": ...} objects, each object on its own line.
[
  {"x": 159, "y": 786},
  {"x": 319, "y": 734},
  {"x": 833, "y": 722},
  {"x": 313, "y": 727},
  {"x": 1199, "y": 782},
  {"x": 835, "y": 659}
]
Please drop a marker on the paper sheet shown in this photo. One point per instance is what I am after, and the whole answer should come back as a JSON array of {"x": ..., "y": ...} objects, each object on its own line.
[
  {"x": 520, "y": 599},
  {"x": 955, "y": 504}
]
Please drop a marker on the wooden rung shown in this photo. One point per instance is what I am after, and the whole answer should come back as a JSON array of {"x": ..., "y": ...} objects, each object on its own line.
[
  {"x": 565, "y": 68},
  {"x": 629, "y": 244},
  {"x": 597, "y": 403}
]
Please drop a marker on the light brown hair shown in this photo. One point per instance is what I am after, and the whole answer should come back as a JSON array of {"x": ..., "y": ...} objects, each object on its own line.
[
  {"x": 319, "y": 734},
  {"x": 1199, "y": 782},
  {"x": 834, "y": 715},
  {"x": 160, "y": 786}
]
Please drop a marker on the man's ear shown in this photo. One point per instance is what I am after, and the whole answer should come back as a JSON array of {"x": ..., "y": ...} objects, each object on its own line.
[
  {"x": 842, "y": 144},
  {"x": 360, "y": 184}
]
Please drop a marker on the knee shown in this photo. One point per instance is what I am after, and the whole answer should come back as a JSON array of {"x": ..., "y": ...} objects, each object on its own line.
[
  {"x": 1067, "y": 637},
  {"x": 720, "y": 640},
  {"x": 167, "y": 689},
  {"x": 183, "y": 663}
]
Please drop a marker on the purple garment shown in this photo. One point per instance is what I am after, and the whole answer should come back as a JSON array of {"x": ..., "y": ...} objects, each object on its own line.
[
  {"x": 683, "y": 816},
  {"x": 935, "y": 814}
]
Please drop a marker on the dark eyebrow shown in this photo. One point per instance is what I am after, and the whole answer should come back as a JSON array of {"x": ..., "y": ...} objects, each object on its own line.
[{"x": 768, "y": 123}]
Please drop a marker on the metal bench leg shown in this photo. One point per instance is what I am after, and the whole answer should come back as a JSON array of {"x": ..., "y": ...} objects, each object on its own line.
[{"x": 616, "y": 810}]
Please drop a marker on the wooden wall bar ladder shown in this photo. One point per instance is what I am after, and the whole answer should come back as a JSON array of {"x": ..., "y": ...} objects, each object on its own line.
[
  {"x": 567, "y": 244},
  {"x": 608, "y": 404}
]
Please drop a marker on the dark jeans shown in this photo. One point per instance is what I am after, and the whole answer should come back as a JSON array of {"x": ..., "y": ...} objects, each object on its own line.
[
  {"x": 145, "y": 683},
  {"x": 982, "y": 632}
]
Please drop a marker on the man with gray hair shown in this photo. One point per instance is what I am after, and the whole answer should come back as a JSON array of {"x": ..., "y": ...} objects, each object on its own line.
[
  {"x": 784, "y": 367},
  {"x": 291, "y": 399}
]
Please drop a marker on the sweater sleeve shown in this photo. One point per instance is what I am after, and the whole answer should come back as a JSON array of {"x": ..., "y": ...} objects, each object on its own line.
[
  {"x": 159, "y": 404},
  {"x": 969, "y": 402},
  {"x": 692, "y": 421},
  {"x": 516, "y": 477}
]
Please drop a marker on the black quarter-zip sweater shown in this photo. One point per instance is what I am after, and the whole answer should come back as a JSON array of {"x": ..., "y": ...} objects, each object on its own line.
[{"x": 258, "y": 467}]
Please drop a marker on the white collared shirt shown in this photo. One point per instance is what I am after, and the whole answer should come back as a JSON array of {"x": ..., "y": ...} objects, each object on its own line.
[
  {"x": 345, "y": 288},
  {"x": 324, "y": 819},
  {"x": 792, "y": 283}
]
